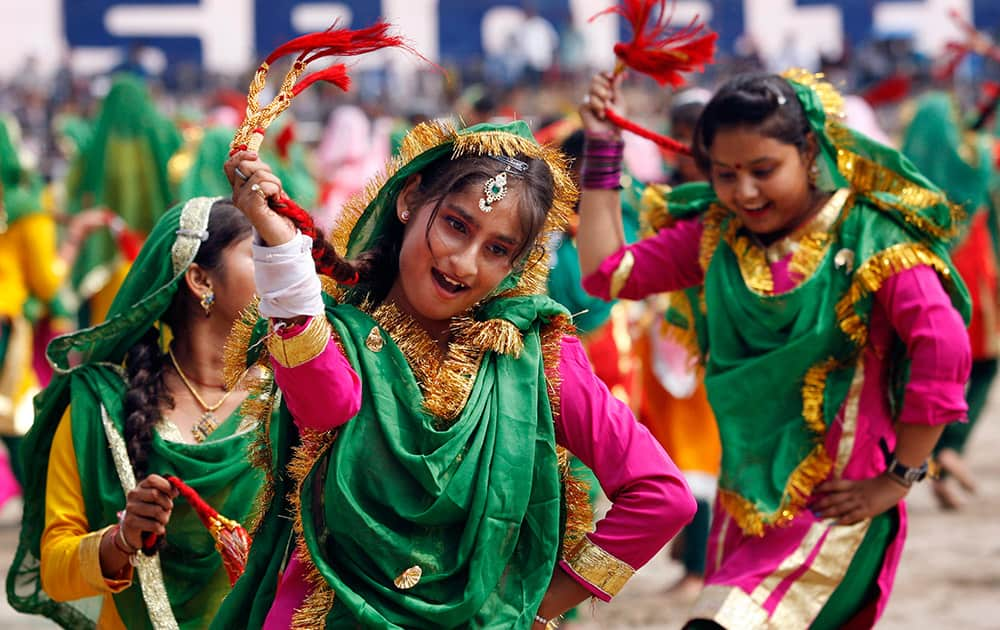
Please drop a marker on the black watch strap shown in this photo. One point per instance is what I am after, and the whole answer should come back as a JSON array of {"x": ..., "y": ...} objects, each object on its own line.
[{"x": 906, "y": 475}]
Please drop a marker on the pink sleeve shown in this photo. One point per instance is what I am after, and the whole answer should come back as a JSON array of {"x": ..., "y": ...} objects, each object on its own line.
[
  {"x": 650, "y": 500},
  {"x": 667, "y": 261},
  {"x": 937, "y": 345},
  {"x": 322, "y": 393}
]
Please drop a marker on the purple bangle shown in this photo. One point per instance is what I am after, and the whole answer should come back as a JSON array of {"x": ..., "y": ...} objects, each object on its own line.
[{"x": 602, "y": 163}]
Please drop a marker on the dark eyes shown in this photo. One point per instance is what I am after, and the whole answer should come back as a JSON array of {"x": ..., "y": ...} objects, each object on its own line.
[
  {"x": 456, "y": 224},
  {"x": 730, "y": 176},
  {"x": 498, "y": 250}
]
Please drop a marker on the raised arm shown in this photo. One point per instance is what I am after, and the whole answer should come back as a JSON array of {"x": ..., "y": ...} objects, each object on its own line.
[{"x": 601, "y": 233}]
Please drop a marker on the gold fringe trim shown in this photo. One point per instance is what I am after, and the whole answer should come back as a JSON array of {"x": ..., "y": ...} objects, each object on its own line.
[
  {"x": 430, "y": 135},
  {"x": 237, "y": 345},
  {"x": 751, "y": 259},
  {"x": 829, "y": 97},
  {"x": 807, "y": 475},
  {"x": 869, "y": 278},
  {"x": 500, "y": 336},
  {"x": 316, "y": 606},
  {"x": 810, "y": 253},
  {"x": 579, "y": 511},
  {"x": 686, "y": 337},
  {"x": 653, "y": 213},
  {"x": 869, "y": 178},
  {"x": 711, "y": 234},
  {"x": 813, "y": 386}
]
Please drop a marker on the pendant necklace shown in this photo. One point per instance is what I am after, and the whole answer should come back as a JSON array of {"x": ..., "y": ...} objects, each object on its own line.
[{"x": 208, "y": 422}]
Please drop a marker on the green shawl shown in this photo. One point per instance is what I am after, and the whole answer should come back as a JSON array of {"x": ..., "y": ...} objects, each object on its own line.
[
  {"x": 194, "y": 578},
  {"x": 957, "y": 160},
  {"x": 455, "y": 473},
  {"x": 803, "y": 346}
]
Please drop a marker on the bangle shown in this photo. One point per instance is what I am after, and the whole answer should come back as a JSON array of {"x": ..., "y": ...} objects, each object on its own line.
[
  {"x": 122, "y": 545},
  {"x": 602, "y": 163}
]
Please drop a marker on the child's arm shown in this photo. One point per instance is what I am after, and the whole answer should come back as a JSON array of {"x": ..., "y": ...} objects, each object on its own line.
[
  {"x": 318, "y": 384},
  {"x": 938, "y": 347},
  {"x": 650, "y": 499},
  {"x": 665, "y": 262}
]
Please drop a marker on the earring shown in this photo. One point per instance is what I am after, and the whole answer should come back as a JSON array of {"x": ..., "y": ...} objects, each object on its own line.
[
  {"x": 813, "y": 174},
  {"x": 404, "y": 216},
  {"x": 207, "y": 302}
]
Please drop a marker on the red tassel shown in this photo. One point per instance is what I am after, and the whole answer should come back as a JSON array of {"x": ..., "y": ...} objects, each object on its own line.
[
  {"x": 889, "y": 90},
  {"x": 666, "y": 142},
  {"x": 339, "y": 42},
  {"x": 231, "y": 539},
  {"x": 129, "y": 242},
  {"x": 283, "y": 141},
  {"x": 654, "y": 50},
  {"x": 336, "y": 74}
]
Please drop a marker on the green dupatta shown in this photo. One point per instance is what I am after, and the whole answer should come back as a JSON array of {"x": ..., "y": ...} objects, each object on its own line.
[
  {"x": 802, "y": 347},
  {"x": 192, "y": 574},
  {"x": 451, "y": 468}
]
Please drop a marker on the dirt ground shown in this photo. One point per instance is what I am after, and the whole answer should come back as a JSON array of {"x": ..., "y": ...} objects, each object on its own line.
[{"x": 949, "y": 577}]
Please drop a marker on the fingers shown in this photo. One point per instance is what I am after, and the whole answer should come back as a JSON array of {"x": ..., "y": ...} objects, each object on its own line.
[{"x": 159, "y": 483}]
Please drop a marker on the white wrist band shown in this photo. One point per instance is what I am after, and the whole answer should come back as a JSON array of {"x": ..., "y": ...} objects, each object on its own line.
[{"x": 286, "y": 279}]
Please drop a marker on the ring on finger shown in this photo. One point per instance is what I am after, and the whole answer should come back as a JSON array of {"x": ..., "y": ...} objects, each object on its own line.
[
  {"x": 257, "y": 189},
  {"x": 240, "y": 174},
  {"x": 586, "y": 99}
]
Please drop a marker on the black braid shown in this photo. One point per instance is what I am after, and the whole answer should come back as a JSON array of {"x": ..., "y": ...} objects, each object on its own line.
[{"x": 144, "y": 365}]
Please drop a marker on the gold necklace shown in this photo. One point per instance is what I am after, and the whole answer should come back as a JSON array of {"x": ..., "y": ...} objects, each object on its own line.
[{"x": 208, "y": 422}]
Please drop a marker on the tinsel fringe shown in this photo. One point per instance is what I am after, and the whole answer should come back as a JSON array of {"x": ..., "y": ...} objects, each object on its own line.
[
  {"x": 236, "y": 348},
  {"x": 869, "y": 278},
  {"x": 579, "y": 511},
  {"x": 653, "y": 212},
  {"x": 807, "y": 475}
]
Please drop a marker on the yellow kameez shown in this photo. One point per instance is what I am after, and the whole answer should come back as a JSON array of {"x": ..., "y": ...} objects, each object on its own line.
[{"x": 70, "y": 558}]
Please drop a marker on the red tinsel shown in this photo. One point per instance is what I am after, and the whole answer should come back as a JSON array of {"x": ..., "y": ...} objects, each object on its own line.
[
  {"x": 283, "y": 141},
  {"x": 655, "y": 50}
]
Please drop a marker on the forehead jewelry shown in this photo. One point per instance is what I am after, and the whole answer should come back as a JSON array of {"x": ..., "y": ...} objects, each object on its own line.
[{"x": 495, "y": 187}]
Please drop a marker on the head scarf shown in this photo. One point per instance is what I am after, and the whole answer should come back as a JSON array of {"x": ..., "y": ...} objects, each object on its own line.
[{"x": 89, "y": 377}]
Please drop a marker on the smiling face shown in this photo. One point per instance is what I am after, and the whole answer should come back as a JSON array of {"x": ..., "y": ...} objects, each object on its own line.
[
  {"x": 453, "y": 258},
  {"x": 763, "y": 180}
]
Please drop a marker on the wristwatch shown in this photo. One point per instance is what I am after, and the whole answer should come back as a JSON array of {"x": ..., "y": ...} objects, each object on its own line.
[{"x": 906, "y": 475}]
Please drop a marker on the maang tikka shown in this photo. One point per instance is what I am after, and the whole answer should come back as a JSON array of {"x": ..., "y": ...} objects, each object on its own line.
[{"x": 495, "y": 187}]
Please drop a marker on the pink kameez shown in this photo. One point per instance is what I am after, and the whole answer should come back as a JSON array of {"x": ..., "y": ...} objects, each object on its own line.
[
  {"x": 650, "y": 499},
  {"x": 783, "y": 579}
]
